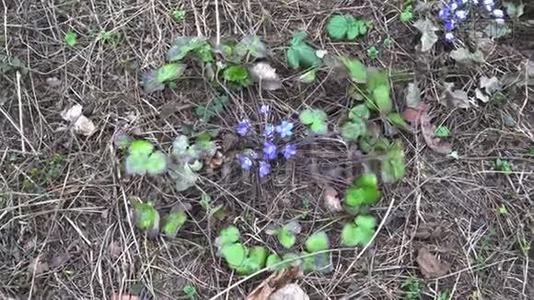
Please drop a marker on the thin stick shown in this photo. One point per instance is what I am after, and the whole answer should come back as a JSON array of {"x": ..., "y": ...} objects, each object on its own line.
[
  {"x": 21, "y": 126},
  {"x": 199, "y": 31},
  {"x": 217, "y": 24}
]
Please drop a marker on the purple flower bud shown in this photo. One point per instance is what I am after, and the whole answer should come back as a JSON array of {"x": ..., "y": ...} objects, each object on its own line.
[
  {"x": 265, "y": 109},
  {"x": 285, "y": 129},
  {"x": 450, "y": 25},
  {"x": 268, "y": 130},
  {"x": 243, "y": 127},
  {"x": 269, "y": 150},
  {"x": 245, "y": 162},
  {"x": 444, "y": 13},
  {"x": 265, "y": 168},
  {"x": 289, "y": 150}
]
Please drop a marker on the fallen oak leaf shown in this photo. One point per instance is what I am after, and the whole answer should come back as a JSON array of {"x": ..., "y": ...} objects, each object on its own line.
[
  {"x": 413, "y": 114},
  {"x": 81, "y": 124},
  {"x": 429, "y": 265},
  {"x": 265, "y": 74}
]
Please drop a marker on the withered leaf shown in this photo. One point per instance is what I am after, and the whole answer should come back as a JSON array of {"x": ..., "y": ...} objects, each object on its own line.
[
  {"x": 433, "y": 142},
  {"x": 429, "y": 265},
  {"x": 272, "y": 283},
  {"x": 331, "y": 199}
]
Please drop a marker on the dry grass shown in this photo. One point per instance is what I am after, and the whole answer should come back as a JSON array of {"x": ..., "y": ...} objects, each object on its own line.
[{"x": 76, "y": 219}]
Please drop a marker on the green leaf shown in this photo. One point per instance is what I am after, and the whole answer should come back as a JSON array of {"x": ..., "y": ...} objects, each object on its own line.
[
  {"x": 376, "y": 78},
  {"x": 317, "y": 242},
  {"x": 286, "y": 238},
  {"x": 322, "y": 262},
  {"x": 352, "y": 130},
  {"x": 367, "y": 180},
  {"x": 503, "y": 166},
  {"x": 397, "y": 120},
  {"x": 497, "y": 31},
  {"x": 372, "y": 52},
  {"x": 308, "y": 263},
  {"x": 382, "y": 99},
  {"x": 308, "y": 77},
  {"x": 272, "y": 260},
  {"x": 359, "y": 196},
  {"x": 442, "y": 132},
  {"x": 290, "y": 259},
  {"x": 169, "y": 72},
  {"x": 319, "y": 128},
  {"x": 354, "y": 29},
  {"x": 234, "y": 254},
  {"x": 156, "y": 163},
  {"x": 190, "y": 291},
  {"x": 365, "y": 221},
  {"x": 360, "y": 111},
  {"x": 293, "y": 58},
  {"x": 150, "y": 82},
  {"x": 258, "y": 255},
  {"x": 182, "y": 46},
  {"x": 71, "y": 38},
  {"x": 204, "y": 52},
  {"x": 353, "y": 235},
  {"x": 514, "y": 10},
  {"x": 184, "y": 175},
  {"x": 312, "y": 115},
  {"x": 135, "y": 164},
  {"x": 141, "y": 147},
  {"x": 178, "y": 15},
  {"x": 393, "y": 165},
  {"x": 337, "y": 27},
  {"x": 173, "y": 222},
  {"x": 146, "y": 216},
  {"x": 228, "y": 235},
  {"x": 238, "y": 75},
  {"x": 307, "y": 56},
  {"x": 250, "y": 45},
  {"x": 212, "y": 109},
  {"x": 407, "y": 14},
  {"x": 357, "y": 70}
]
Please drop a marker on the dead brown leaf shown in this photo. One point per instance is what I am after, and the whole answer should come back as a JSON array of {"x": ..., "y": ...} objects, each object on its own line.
[
  {"x": 429, "y": 265},
  {"x": 331, "y": 199},
  {"x": 433, "y": 142},
  {"x": 428, "y": 230},
  {"x": 115, "y": 249},
  {"x": 272, "y": 283}
]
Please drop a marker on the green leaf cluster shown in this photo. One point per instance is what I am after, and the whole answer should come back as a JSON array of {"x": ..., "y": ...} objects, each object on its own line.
[
  {"x": 155, "y": 80},
  {"x": 316, "y": 120},
  {"x": 237, "y": 75},
  {"x": 406, "y": 15},
  {"x": 239, "y": 257},
  {"x": 147, "y": 218},
  {"x": 360, "y": 232},
  {"x": 184, "y": 45},
  {"x": 286, "y": 234},
  {"x": 363, "y": 192},
  {"x": 346, "y": 27},
  {"x": 188, "y": 158},
  {"x": 394, "y": 164},
  {"x": 356, "y": 126},
  {"x": 142, "y": 159},
  {"x": 300, "y": 54}
]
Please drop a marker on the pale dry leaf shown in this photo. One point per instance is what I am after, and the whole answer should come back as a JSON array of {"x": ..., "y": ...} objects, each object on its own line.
[
  {"x": 331, "y": 200},
  {"x": 81, "y": 124},
  {"x": 291, "y": 291},
  {"x": 273, "y": 282},
  {"x": 491, "y": 85},
  {"x": 412, "y": 94},
  {"x": 428, "y": 33},
  {"x": 37, "y": 266},
  {"x": 264, "y": 73},
  {"x": 454, "y": 98},
  {"x": 429, "y": 265},
  {"x": 466, "y": 57},
  {"x": 427, "y": 130}
]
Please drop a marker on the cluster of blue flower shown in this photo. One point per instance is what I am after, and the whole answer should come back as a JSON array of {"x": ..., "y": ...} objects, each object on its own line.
[
  {"x": 457, "y": 11},
  {"x": 270, "y": 150}
]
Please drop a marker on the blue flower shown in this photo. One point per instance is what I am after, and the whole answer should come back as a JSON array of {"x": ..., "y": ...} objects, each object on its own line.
[
  {"x": 450, "y": 25},
  {"x": 498, "y": 13},
  {"x": 265, "y": 168},
  {"x": 461, "y": 15},
  {"x": 269, "y": 150},
  {"x": 243, "y": 127},
  {"x": 245, "y": 161},
  {"x": 444, "y": 13},
  {"x": 285, "y": 129},
  {"x": 268, "y": 130},
  {"x": 265, "y": 109},
  {"x": 289, "y": 150}
]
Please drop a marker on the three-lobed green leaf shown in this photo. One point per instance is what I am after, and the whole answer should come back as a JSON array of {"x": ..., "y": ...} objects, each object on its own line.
[
  {"x": 360, "y": 232},
  {"x": 143, "y": 159},
  {"x": 357, "y": 70},
  {"x": 318, "y": 241},
  {"x": 315, "y": 119},
  {"x": 146, "y": 217},
  {"x": 173, "y": 222}
]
